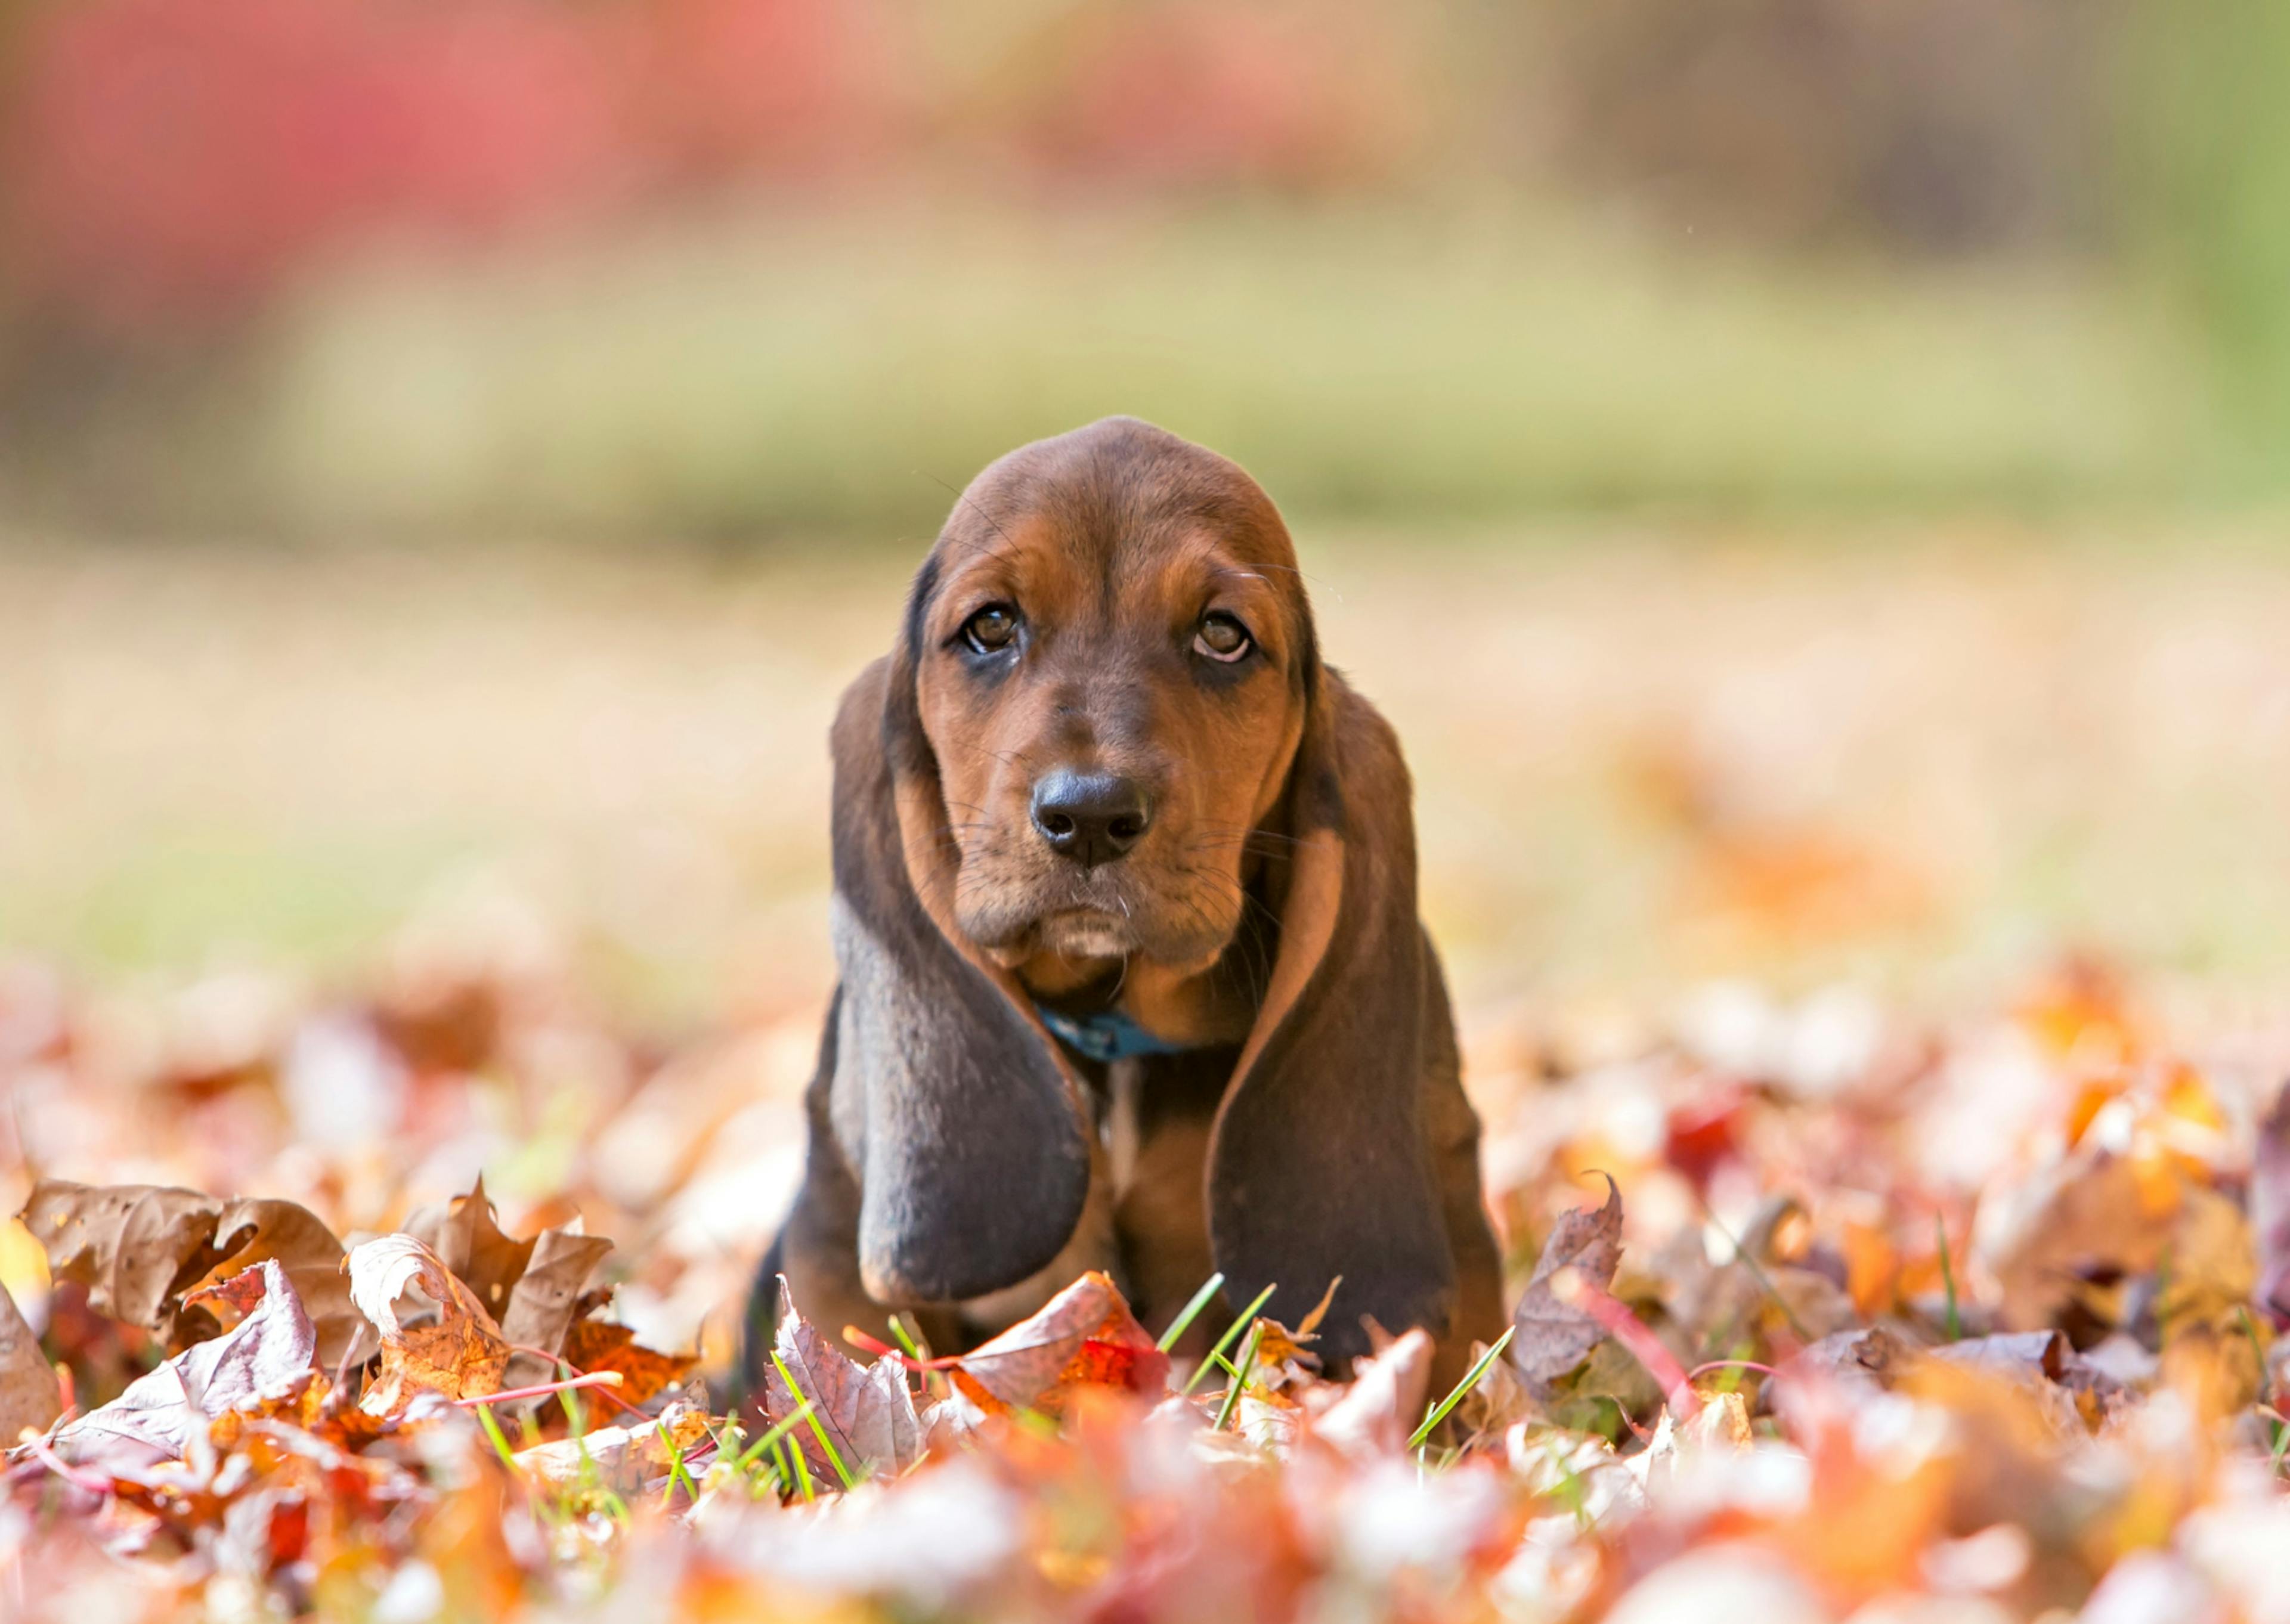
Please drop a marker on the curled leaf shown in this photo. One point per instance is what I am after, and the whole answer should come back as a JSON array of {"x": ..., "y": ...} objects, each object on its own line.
[
  {"x": 134, "y": 1246},
  {"x": 265, "y": 1361},
  {"x": 1556, "y": 1334},
  {"x": 459, "y": 1355}
]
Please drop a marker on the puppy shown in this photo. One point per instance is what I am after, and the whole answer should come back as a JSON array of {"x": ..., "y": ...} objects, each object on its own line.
[{"x": 1131, "y": 975}]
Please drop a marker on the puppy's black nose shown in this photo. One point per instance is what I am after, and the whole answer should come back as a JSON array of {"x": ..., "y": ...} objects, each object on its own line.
[{"x": 1090, "y": 817}]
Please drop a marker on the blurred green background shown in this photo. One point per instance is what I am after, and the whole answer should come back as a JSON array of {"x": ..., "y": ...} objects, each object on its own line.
[
  {"x": 749, "y": 270},
  {"x": 1805, "y": 474}
]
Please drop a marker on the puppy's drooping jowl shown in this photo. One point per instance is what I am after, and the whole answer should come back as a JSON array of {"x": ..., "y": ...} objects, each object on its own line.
[{"x": 1132, "y": 976}]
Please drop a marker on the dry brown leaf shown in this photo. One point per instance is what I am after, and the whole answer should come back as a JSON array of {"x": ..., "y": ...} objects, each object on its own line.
[
  {"x": 467, "y": 1239},
  {"x": 2090, "y": 1214},
  {"x": 134, "y": 1246},
  {"x": 1554, "y": 1336},
  {"x": 29, "y": 1396},
  {"x": 543, "y": 1302},
  {"x": 459, "y": 1355},
  {"x": 2027, "y": 1355},
  {"x": 532, "y": 1287},
  {"x": 1085, "y": 1336},
  {"x": 257, "y": 1231}
]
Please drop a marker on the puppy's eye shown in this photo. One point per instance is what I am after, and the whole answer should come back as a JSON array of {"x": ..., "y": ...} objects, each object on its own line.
[
  {"x": 1222, "y": 637},
  {"x": 991, "y": 629}
]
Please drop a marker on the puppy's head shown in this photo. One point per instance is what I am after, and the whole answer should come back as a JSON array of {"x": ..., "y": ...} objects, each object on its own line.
[{"x": 1111, "y": 658}]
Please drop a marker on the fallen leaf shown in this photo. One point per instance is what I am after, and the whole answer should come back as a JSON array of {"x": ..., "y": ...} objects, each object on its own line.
[
  {"x": 867, "y": 1413},
  {"x": 1555, "y": 1336},
  {"x": 29, "y": 1397},
  {"x": 626, "y": 1457},
  {"x": 2025, "y": 1354},
  {"x": 459, "y": 1355},
  {"x": 532, "y": 1287},
  {"x": 134, "y": 1246},
  {"x": 2090, "y": 1214},
  {"x": 257, "y": 1231},
  {"x": 266, "y": 1359},
  {"x": 467, "y": 1239},
  {"x": 546, "y": 1296},
  {"x": 1852, "y": 1356},
  {"x": 1381, "y": 1408},
  {"x": 1083, "y": 1336},
  {"x": 597, "y": 1345}
]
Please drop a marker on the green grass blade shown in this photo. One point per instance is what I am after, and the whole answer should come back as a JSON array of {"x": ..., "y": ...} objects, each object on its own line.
[
  {"x": 1470, "y": 1380},
  {"x": 907, "y": 1343},
  {"x": 1248, "y": 1317},
  {"x": 779, "y": 1430},
  {"x": 834, "y": 1456},
  {"x": 500, "y": 1442},
  {"x": 1240, "y": 1384},
  {"x": 1192, "y": 1311},
  {"x": 677, "y": 1472},
  {"x": 1948, "y": 1280}
]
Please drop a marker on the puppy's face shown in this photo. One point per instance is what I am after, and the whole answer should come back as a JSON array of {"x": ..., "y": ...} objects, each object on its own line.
[{"x": 1110, "y": 647}]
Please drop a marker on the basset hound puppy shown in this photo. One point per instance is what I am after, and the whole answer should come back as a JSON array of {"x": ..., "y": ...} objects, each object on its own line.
[{"x": 1124, "y": 913}]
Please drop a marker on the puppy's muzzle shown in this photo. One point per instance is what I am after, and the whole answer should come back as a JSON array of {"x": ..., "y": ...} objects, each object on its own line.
[{"x": 1090, "y": 818}]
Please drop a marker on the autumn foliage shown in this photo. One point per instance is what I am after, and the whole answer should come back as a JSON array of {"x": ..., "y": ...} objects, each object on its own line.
[{"x": 1816, "y": 1320}]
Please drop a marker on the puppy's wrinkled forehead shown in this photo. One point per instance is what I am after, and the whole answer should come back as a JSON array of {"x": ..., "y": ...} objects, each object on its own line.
[{"x": 1117, "y": 523}]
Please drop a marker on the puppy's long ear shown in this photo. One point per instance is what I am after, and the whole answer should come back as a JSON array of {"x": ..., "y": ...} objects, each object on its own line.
[
  {"x": 1318, "y": 1164},
  {"x": 966, "y": 1131}
]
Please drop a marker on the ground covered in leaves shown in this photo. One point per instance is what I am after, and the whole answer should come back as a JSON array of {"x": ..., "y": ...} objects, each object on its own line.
[{"x": 419, "y": 1302}]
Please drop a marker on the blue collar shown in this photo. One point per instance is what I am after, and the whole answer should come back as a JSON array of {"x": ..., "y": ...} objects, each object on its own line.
[{"x": 1107, "y": 1036}]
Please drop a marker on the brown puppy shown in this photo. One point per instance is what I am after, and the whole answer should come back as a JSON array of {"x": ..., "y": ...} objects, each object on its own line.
[{"x": 1125, "y": 913}]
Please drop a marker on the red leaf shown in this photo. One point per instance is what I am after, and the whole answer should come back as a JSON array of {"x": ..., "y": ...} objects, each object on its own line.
[{"x": 1085, "y": 1336}]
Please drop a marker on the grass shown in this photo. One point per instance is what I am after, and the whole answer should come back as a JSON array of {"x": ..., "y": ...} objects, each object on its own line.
[
  {"x": 1471, "y": 1378},
  {"x": 847, "y": 370},
  {"x": 1244, "y": 1320}
]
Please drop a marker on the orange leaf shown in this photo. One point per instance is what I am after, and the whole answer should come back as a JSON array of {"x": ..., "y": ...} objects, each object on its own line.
[{"x": 1085, "y": 1336}]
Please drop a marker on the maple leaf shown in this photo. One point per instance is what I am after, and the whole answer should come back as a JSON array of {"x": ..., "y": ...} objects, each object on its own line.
[
  {"x": 461, "y": 1355},
  {"x": 599, "y": 1345},
  {"x": 1555, "y": 1335},
  {"x": 468, "y": 1238},
  {"x": 546, "y": 1299},
  {"x": 1085, "y": 1336},
  {"x": 532, "y": 1286},
  {"x": 28, "y": 1395},
  {"x": 266, "y": 1360},
  {"x": 867, "y": 1412}
]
